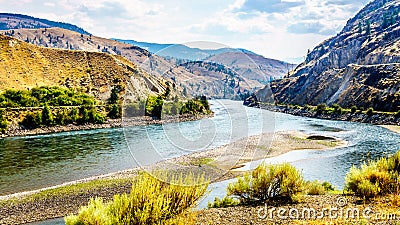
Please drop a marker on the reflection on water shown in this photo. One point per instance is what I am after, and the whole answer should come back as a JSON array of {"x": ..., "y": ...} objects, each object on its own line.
[{"x": 36, "y": 162}]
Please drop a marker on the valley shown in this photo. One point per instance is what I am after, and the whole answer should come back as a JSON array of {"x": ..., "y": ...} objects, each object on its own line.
[{"x": 97, "y": 128}]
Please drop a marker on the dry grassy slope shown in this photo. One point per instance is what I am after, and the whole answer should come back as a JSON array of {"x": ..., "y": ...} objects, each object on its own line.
[
  {"x": 153, "y": 64},
  {"x": 25, "y": 66}
]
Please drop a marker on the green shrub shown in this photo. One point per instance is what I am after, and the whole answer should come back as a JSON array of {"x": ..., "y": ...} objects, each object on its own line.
[
  {"x": 321, "y": 107},
  {"x": 95, "y": 117},
  {"x": 115, "y": 112},
  {"x": 47, "y": 116},
  {"x": 32, "y": 120},
  {"x": 40, "y": 96},
  {"x": 154, "y": 106},
  {"x": 73, "y": 115},
  {"x": 397, "y": 114},
  {"x": 370, "y": 111},
  {"x": 353, "y": 109},
  {"x": 379, "y": 177},
  {"x": 3, "y": 122},
  {"x": 268, "y": 181},
  {"x": 328, "y": 186},
  {"x": 337, "y": 109},
  {"x": 317, "y": 188},
  {"x": 151, "y": 201},
  {"x": 62, "y": 118},
  {"x": 223, "y": 203}
]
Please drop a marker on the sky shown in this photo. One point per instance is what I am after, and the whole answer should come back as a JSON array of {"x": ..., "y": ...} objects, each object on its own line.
[{"x": 280, "y": 29}]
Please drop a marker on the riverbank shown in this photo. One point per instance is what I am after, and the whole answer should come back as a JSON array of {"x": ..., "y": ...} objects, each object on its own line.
[
  {"x": 393, "y": 128},
  {"x": 216, "y": 163},
  {"x": 16, "y": 130},
  {"x": 377, "y": 118}
]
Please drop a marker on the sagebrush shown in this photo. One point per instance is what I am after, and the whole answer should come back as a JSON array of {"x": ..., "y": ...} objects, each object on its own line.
[{"x": 151, "y": 201}]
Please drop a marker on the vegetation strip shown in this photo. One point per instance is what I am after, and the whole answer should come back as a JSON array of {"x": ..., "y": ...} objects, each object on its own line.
[{"x": 336, "y": 112}]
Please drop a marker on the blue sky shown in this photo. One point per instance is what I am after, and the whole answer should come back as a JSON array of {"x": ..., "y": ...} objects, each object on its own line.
[{"x": 278, "y": 29}]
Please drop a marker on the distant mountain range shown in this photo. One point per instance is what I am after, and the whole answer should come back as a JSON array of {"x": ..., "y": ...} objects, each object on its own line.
[
  {"x": 180, "y": 51},
  {"x": 9, "y": 21},
  {"x": 360, "y": 66},
  {"x": 244, "y": 71}
]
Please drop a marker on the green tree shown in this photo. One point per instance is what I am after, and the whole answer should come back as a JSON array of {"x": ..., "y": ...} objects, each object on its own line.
[
  {"x": 370, "y": 111},
  {"x": 3, "y": 122},
  {"x": 47, "y": 116},
  {"x": 359, "y": 27},
  {"x": 353, "y": 109},
  {"x": 385, "y": 22},
  {"x": 154, "y": 106},
  {"x": 115, "y": 112},
  {"x": 114, "y": 96}
]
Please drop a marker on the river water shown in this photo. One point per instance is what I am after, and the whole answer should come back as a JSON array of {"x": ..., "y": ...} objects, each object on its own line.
[{"x": 29, "y": 163}]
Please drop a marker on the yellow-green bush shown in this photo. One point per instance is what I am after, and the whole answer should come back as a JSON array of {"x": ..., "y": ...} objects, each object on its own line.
[
  {"x": 317, "y": 188},
  {"x": 375, "y": 178},
  {"x": 223, "y": 203},
  {"x": 151, "y": 201},
  {"x": 268, "y": 181}
]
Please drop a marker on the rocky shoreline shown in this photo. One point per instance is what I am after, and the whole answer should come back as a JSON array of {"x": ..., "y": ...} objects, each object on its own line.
[
  {"x": 16, "y": 130},
  {"x": 216, "y": 163},
  {"x": 376, "y": 118}
]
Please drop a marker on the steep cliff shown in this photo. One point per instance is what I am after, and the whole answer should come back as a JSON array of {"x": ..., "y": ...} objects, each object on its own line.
[{"x": 359, "y": 66}]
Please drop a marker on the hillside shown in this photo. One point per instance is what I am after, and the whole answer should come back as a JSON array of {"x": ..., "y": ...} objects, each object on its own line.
[
  {"x": 253, "y": 66},
  {"x": 359, "y": 66},
  {"x": 9, "y": 21},
  {"x": 155, "y": 65},
  {"x": 218, "y": 80},
  {"x": 24, "y": 66},
  {"x": 181, "y": 51}
]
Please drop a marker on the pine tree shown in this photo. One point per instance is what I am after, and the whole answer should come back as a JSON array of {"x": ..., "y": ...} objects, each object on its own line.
[{"x": 368, "y": 30}]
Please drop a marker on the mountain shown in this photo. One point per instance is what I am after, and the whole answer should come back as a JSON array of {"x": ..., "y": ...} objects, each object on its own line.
[
  {"x": 9, "y": 21},
  {"x": 24, "y": 66},
  {"x": 245, "y": 63},
  {"x": 219, "y": 81},
  {"x": 253, "y": 66},
  {"x": 359, "y": 66},
  {"x": 169, "y": 70},
  {"x": 180, "y": 51}
]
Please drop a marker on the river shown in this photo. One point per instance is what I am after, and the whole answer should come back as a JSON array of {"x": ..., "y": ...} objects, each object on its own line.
[{"x": 29, "y": 163}]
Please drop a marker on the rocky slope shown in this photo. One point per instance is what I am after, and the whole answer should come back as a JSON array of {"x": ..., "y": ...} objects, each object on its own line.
[
  {"x": 359, "y": 66},
  {"x": 24, "y": 65},
  {"x": 9, "y": 21}
]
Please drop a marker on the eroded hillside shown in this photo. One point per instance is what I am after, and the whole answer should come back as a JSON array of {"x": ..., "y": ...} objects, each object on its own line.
[
  {"x": 24, "y": 65},
  {"x": 357, "y": 67}
]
